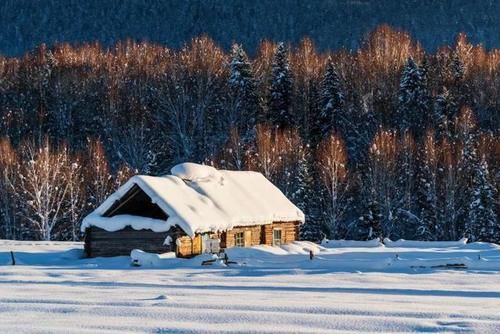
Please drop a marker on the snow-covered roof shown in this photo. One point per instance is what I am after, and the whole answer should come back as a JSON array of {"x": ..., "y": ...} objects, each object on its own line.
[{"x": 200, "y": 198}]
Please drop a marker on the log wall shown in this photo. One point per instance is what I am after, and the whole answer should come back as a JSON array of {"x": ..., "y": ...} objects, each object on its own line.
[
  {"x": 289, "y": 232},
  {"x": 99, "y": 242},
  {"x": 252, "y": 236},
  {"x": 187, "y": 247}
]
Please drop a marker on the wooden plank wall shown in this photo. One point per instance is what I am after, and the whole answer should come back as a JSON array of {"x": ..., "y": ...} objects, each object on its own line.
[
  {"x": 99, "y": 242},
  {"x": 252, "y": 236},
  {"x": 188, "y": 247},
  {"x": 290, "y": 232}
]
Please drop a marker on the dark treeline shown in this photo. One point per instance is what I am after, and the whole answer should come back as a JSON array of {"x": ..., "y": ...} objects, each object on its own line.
[
  {"x": 24, "y": 24},
  {"x": 385, "y": 141}
]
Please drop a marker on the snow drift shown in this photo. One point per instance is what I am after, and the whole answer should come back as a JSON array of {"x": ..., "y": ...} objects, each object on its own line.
[
  {"x": 351, "y": 243},
  {"x": 424, "y": 244},
  {"x": 140, "y": 257}
]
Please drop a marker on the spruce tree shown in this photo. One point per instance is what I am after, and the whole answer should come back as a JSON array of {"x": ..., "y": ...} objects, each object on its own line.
[
  {"x": 457, "y": 68},
  {"x": 302, "y": 192},
  {"x": 280, "y": 112},
  {"x": 413, "y": 99},
  {"x": 370, "y": 223},
  {"x": 305, "y": 199},
  {"x": 482, "y": 223},
  {"x": 311, "y": 231},
  {"x": 426, "y": 96},
  {"x": 468, "y": 165},
  {"x": 406, "y": 215},
  {"x": 445, "y": 110},
  {"x": 243, "y": 91},
  {"x": 458, "y": 84},
  {"x": 427, "y": 192},
  {"x": 313, "y": 228},
  {"x": 330, "y": 119}
]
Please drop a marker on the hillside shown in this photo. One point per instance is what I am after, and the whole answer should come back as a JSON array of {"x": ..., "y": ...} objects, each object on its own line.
[{"x": 24, "y": 24}]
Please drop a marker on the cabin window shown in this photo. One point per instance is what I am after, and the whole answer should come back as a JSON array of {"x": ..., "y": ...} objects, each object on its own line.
[
  {"x": 277, "y": 237},
  {"x": 239, "y": 239}
]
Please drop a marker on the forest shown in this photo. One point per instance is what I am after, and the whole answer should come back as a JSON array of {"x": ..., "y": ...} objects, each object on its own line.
[{"x": 387, "y": 140}]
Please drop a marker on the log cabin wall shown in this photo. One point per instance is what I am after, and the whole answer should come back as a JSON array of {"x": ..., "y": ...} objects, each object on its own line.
[
  {"x": 262, "y": 234},
  {"x": 252, "y": 236},
  {"x": 289, "y": 232},
  {"x": 186, "y": 247},
  {"x": 99, "y": 242},
  {"x": 189, "y": 247}
]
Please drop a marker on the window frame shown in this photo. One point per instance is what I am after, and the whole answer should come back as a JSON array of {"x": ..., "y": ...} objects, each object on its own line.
[
  {"x": 239, "y": 239},
  {"x": 280, "y": 238}
]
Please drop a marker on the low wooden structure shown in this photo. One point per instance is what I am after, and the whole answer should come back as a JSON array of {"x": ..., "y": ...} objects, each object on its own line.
[
  {"x": 138, "y": 216},
  {"x": 101, "y": 243}
]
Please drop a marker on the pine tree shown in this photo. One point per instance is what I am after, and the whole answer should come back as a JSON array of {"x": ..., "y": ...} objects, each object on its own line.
[
  {"x": 280, "y": 112},
  {"x": 311, "y": 230},
  {"x": 302, "y": 194},
  {"x": 330, "y": 119},
  {"x": 449, "y": 190},
  {"x": 413, "y": 99},
  {"x": 405, "y": 188},
  {"x": 428, "y": 225},
  {"x": 458, "y": 85},
  {"x": 243, "y": 91},
  {"x": 445, "y": 110},
  {"x": 370, "y": 223},
  {"x": 482, "y": 223},
  {"x": 304, "y": 198},
  {"x": 457, "y": 68},
  {"x": 468, "y": 165}
]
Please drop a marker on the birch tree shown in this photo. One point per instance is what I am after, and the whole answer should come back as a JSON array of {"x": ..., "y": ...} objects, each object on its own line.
[
  {"x": 9, "y": 228},
  {"x": 43, "y": 187},
  {"x": 332, "y": 166}
]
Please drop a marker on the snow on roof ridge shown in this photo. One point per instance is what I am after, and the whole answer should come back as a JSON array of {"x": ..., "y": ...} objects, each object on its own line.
[
  {"x": 194, "y": 172},
  {"x": 200, "y": 198}
]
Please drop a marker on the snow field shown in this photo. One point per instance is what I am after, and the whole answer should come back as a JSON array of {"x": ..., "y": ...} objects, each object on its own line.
[{"x": 270, "y": 290}]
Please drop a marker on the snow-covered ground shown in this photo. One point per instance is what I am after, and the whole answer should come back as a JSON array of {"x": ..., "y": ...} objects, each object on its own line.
[{"x": 343, "y": 289}]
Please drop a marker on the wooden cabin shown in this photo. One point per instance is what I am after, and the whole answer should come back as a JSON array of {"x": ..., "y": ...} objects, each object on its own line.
[{"x": 195, "y": 210}]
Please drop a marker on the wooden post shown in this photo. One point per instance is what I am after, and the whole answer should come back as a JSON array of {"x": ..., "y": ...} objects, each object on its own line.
[
  {"x": 311, "y": 254},
  {"x": 13, "y": 258}
]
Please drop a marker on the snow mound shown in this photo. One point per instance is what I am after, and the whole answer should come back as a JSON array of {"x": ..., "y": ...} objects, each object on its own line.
[
  {"x": 424, "y": 244},
  {"x": 141, "y": 258},
  {"x": 351, "y": 243},
  {"x": 194, "y": 172},
  {"x": 302, "y": 247}
]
